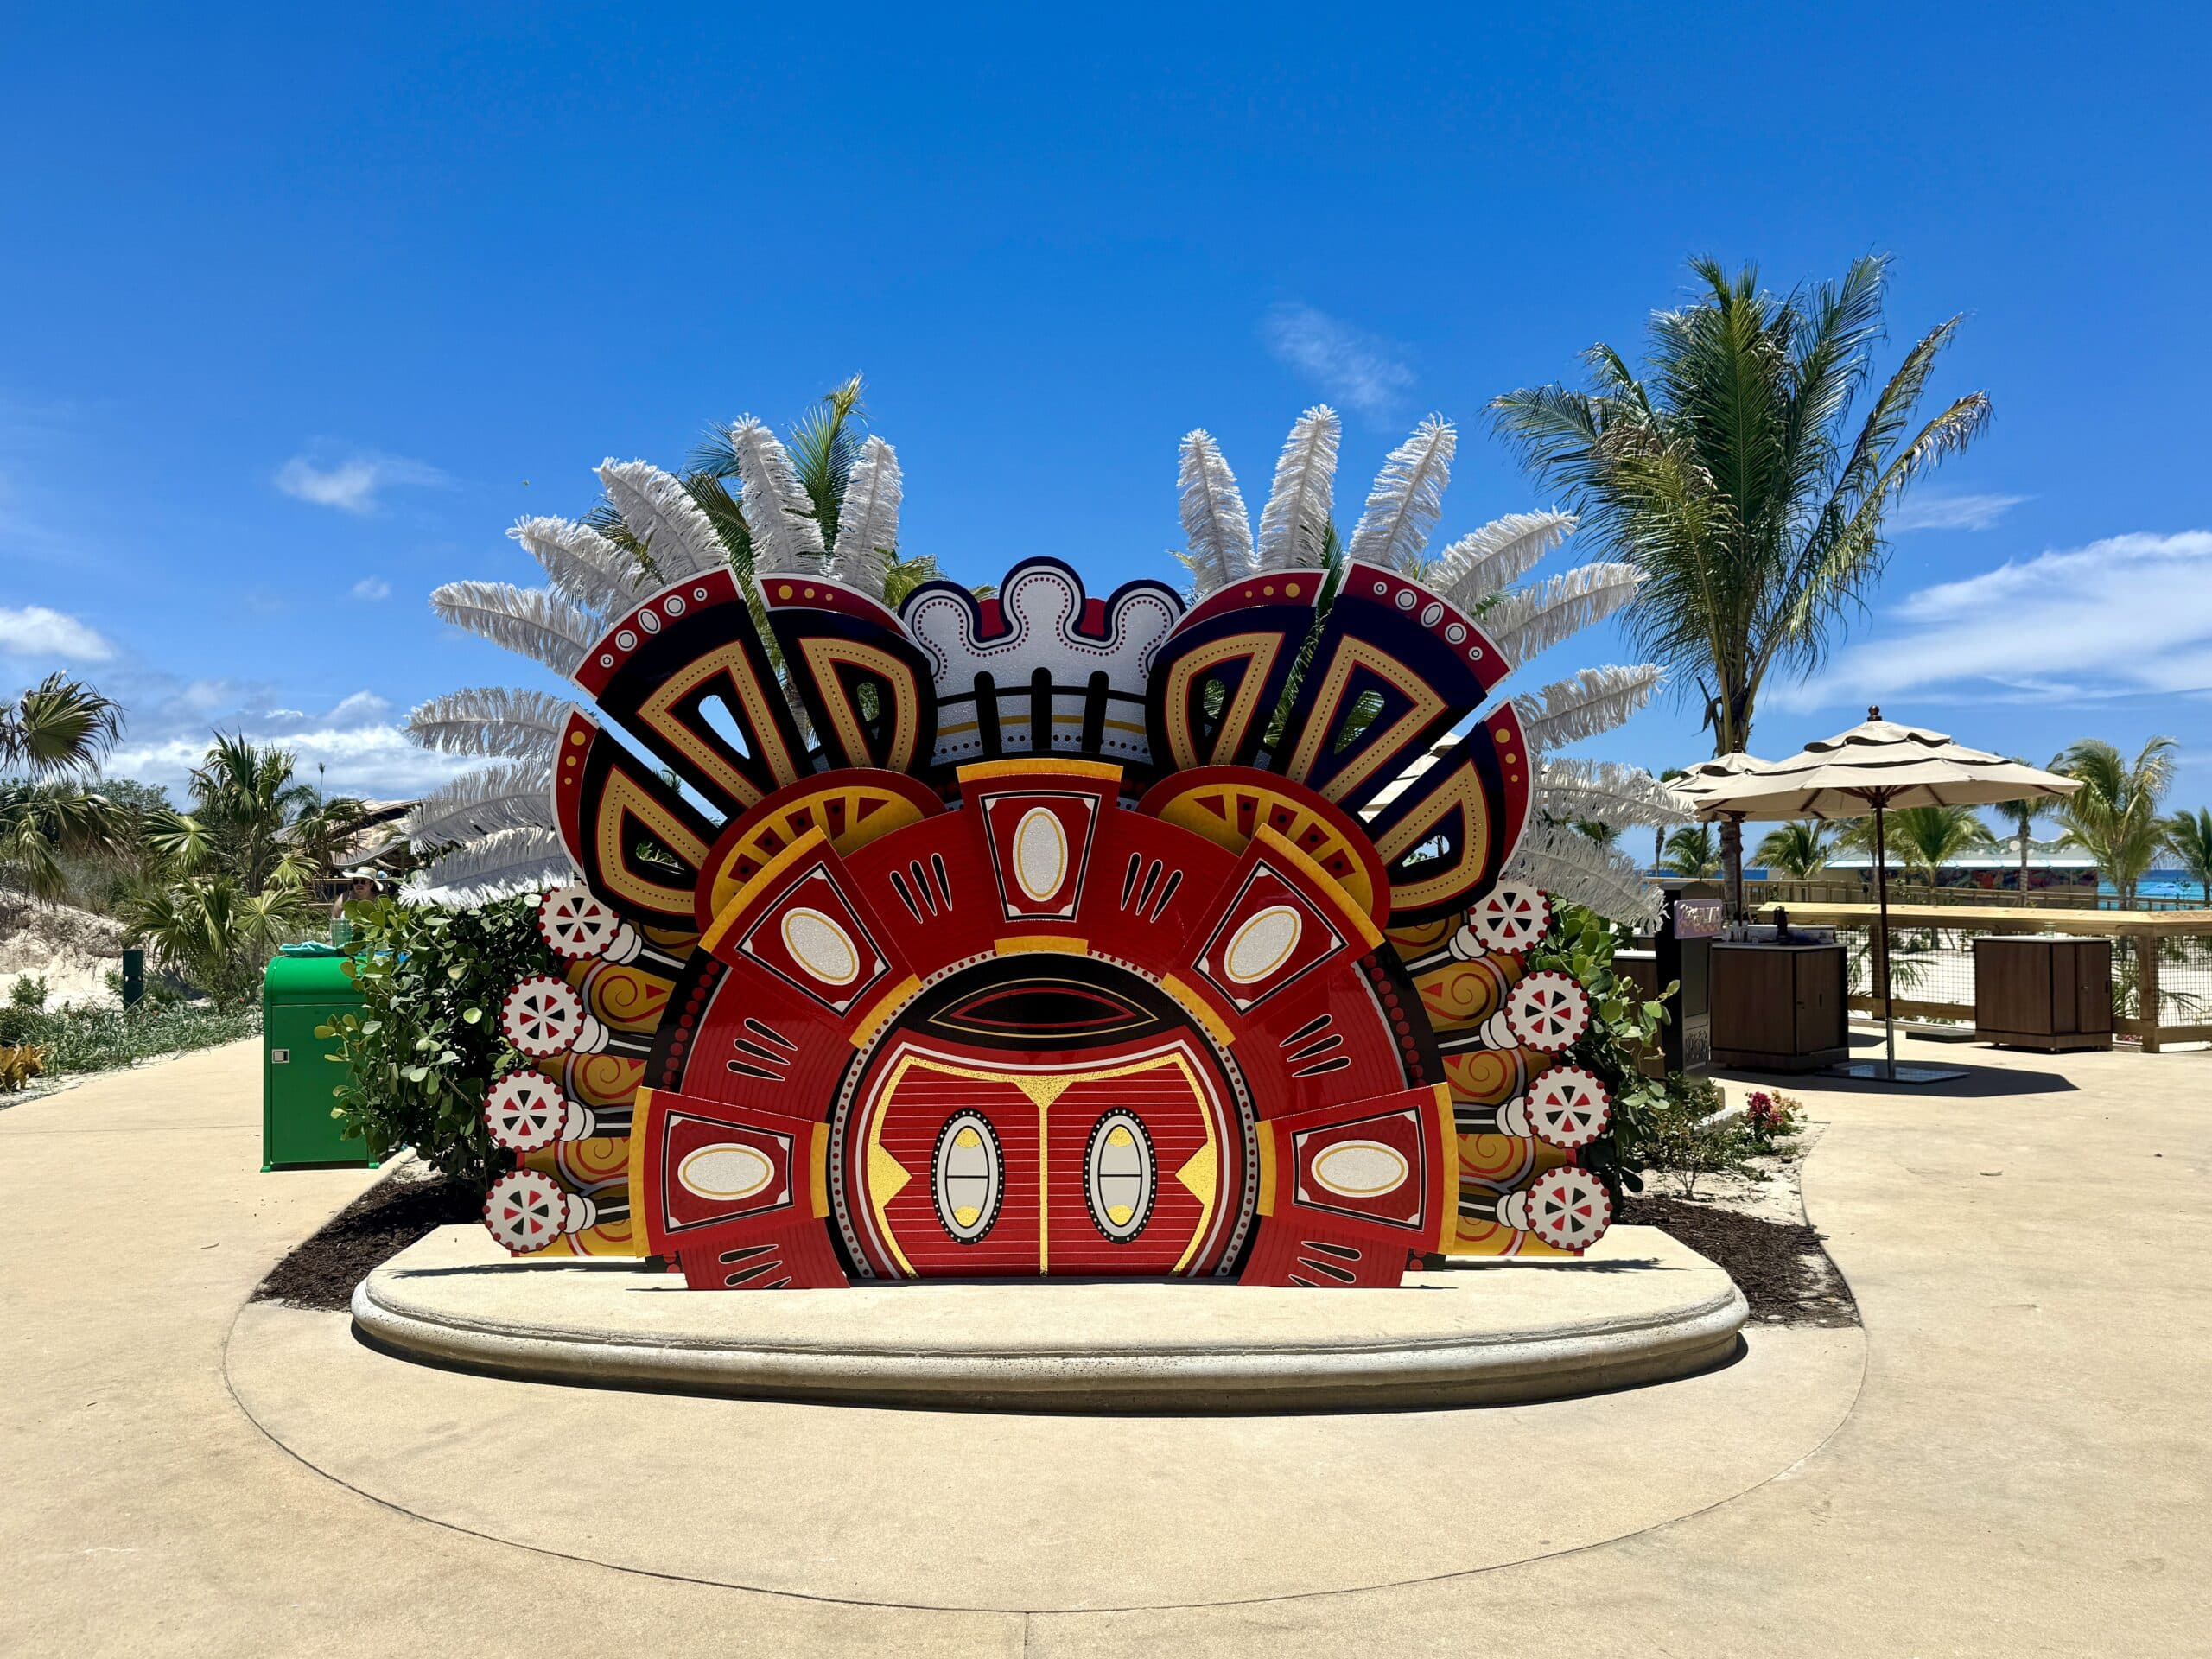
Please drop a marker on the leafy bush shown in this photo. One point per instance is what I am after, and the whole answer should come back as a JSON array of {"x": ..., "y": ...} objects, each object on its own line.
[
  {"x": 1687, "y": 1137},
  {"x": 1770, "y": 1120},
  {"x": 1623, "y": 1024},
  {"x": 418, "y": 1062},
  {"x": 29, "y": 992},
  {"x": 100, "y": 1039}
]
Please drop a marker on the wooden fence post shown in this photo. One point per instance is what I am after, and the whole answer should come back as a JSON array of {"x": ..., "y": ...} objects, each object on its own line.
[{"x": 2147, "y": 999}]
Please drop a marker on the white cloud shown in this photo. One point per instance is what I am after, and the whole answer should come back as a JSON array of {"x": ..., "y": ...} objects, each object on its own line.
[
  {"x": 1356, "y": 369},
  {"x": 371, "y": 588},
  {"x": 2129, "y": 615},
  {"x": 351, "y": 485},
  {"x": 34, "y": 631},
  {"x": 1934, "y": 510},
  {"x": 362, "y": 750}
]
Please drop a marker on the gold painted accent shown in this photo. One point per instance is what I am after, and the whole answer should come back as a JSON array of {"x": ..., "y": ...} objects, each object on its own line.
[
  {"x": 657, "y": 711},
  {"x": 1200, "y": 1173},
  {"x": 1027, "y": 765},
  {"x": 1464, "y": 788},
  {"x": 1267, "y": 1139},
  {"x": 894, "y": 811},
  {"x": 821, "y": 658},
  {"x": 773, "y": 871},
  {"x": 887, "y": 1179},
  {"x": 817, "y": 1170},
  {"x": 1328, "y": 712},
  {"x": 881, "y": 1010},
  {"x": 1198, "y": 1008},
  {"x": 1348, "y": 908},
  {"x": 624, "y": 797},
  {"x": 635, "y": 1184},
  {"x": 1448, "y": 1138},
  {"x": 1015, "y": 945},
  {"x": 1259, "y": 650},
  {"x": 1185, "y": 812}
]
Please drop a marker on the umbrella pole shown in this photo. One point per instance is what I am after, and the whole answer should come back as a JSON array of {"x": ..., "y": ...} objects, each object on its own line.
[{"x": 1882, "y": 954}]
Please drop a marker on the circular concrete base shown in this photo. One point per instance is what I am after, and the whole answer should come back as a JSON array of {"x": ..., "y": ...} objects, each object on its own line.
[{"x": 1640, "y": 1308}]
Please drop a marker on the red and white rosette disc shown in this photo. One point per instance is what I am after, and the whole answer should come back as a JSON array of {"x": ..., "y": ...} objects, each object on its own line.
[
  {"x": 1568, "y": 1108},
  {"x": 1568, "y": 1209},
  {"x": 575, "y": 924},
  {"x": 526, "y": 1210},
  {"x": 1511, "y": 920},
  {"x": 1549, "y": 1011},
  {"x": 525, "y": 1110},
  {"x": 543, "y": 1016}
]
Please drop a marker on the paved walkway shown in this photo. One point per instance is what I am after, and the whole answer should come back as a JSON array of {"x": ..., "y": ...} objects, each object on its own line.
[{"x": 2025, "y": 1468}]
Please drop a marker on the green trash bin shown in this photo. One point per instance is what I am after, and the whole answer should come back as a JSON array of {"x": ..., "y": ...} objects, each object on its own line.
[{"x": 299, "y": 993}]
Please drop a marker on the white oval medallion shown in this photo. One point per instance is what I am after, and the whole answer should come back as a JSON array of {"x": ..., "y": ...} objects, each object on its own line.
[
  {"x": 1040, "y": 854},
  {"x": 1117, "y": 1176},
  {"x": 726, "y": 1171},
  {"x": 1359, "y": 1169},
  {"x": 967, "y": 1176},
  {"x": 1263, "y": 945},
  {"x": 820, "y": 946}
]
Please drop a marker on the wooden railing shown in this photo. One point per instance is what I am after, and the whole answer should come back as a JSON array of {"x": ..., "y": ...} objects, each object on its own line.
[
  {"x": 1850, "y": 890},
  {"x": 2162, "y": 961}
]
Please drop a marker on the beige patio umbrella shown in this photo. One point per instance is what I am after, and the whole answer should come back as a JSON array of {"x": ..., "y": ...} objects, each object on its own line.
[
  {"x": 1700, "y": 784},
  {"x": 1875, "y": 767}
]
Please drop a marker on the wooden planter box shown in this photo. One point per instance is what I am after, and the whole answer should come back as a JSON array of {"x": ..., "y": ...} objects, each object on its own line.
[
  {"x": 2031, "y": 991},
  {"x": 1778, "y": 1007}
]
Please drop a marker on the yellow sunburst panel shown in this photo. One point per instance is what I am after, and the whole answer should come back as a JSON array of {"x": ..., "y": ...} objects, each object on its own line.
[
  {"x": 1458, "y": 994},
  {"x": 1215, "y": 809},
  {"x": 870, "y": 809}
]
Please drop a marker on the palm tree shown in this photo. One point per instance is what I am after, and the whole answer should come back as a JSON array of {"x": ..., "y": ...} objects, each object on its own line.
[
  {"x": 1925, "y": 838},
  {"x": 2189, "y": 836},
  {"x": 54, "y": 735},
  {"x": 2022, "y": 816},
  {"x": 1692, "y": 850},
  {"x": 248, "y": 808},
  {"x": 214, "y": 932},
  {"x": 1727, "y": 477},
  {"x": 1799, "y": 850},
  {"x": 2114, "y": 816},
  {"x": 59, "y": 725}
]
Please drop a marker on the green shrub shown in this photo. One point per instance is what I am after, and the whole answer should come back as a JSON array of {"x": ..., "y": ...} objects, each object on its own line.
[
  {"x": 1623, "y": 1024},
  {"x": 21, "y": 1025},
  {"x": 1687, "y": 1137},
  {"x": 29, "y": 992},
  {"x": 418, "y": 1062},
  {"x": 98, "y": 1039}
]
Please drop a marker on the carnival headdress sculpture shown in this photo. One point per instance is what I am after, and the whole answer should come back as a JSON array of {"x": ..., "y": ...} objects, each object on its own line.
[{"x": 1044, "y": 933}]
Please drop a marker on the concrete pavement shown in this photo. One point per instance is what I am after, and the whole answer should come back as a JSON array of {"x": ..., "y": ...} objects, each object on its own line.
[{"x": 2023, "y": 1471}]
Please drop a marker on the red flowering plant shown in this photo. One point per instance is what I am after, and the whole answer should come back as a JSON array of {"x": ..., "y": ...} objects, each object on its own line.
[{"x": 1768, "y": 1119}]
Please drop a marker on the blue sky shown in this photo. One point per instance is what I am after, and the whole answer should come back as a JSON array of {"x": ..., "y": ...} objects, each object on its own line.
[{"x": 306, "y": 306}]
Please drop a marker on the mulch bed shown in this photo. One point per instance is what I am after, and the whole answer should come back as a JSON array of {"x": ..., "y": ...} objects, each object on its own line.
[
  {"x": 384, "y": 1221},
  {"x": 1783, "y": 1271}
]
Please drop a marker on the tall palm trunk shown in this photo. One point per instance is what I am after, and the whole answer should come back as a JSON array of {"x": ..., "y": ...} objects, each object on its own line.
[{"x": 1731, "y": 864}]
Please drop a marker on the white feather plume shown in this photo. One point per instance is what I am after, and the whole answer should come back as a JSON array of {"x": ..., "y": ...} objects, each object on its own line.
[
  {"x": 1530, "y": 620},
  {"x": 1595, "y": 700},
  {"x": 777, "y": 510},
  {"x": 510, "y": 795},
  {"x": 1214, "y": 520},
  {"x": 1295, "y": 524},
  {"x": 533, "y": 622},
  {"x": 1407, "y": 497},
  {"x": 867, "y": 526},
  {"x": 583, "y": 565},
  {"x": 506, "y": 721},
  {"x": 1609, "y": 793},
  {"x": 1571, "y": 866},
  {"x": 1482, "y": 561},
  {"x": 505, "y": 859},
  {"x": 659, "y": 512}
]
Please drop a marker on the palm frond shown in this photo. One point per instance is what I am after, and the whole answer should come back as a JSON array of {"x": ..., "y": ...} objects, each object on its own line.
[
  {"x": 867, "y": 528},
  {"x": 532, "y": 622},
  {"x": 1407, "y": 497},
  {"x": 1294, "y": 525},
  {"x": 509, "y": 796},
  {"x": 1481, "y": 562},
  {"x": 1608, "y": 793},
  {"x": 492, "y": 721},
  {"x": 667, "y": 524},
  {"x": 1214, "y": 520},
  {"x": 1533, "y": 619},
  {"x": 785, "y": 535},
  {"x": 1595, "y": 700},
  {"x": 583, "y": 566},
  {"x": 59, "y": 725}
]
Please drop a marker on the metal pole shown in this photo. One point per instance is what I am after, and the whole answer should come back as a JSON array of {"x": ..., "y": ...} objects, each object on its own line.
[{"x": 1882, "y": 933}]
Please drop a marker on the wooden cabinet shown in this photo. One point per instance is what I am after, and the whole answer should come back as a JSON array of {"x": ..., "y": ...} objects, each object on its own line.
[
  {"x": 2039, "y": 991},
  {"x": 1778, "y": 1007}
]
